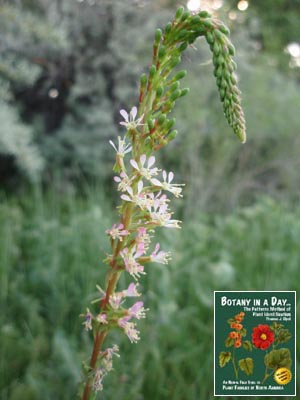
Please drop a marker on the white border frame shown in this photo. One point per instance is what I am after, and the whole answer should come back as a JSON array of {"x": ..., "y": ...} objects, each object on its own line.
[{"x": 254, "y": 291}]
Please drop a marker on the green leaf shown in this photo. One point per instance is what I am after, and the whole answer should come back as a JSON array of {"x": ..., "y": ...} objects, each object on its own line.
[
  {"x": 278, "y": 358},
  {"x": 246, "y": 365},
  {"x": 243, "y": 332},
  {"x": 283, "y": 336},
  {"x": 231, "y": 321},
  {"x": 229, "y": 342},
  {"x": 224, "y": 358},
  {"x": 247, "y": 345}
]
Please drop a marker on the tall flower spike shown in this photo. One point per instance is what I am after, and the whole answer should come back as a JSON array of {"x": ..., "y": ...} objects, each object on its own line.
[{"x": 144, "y": 206}]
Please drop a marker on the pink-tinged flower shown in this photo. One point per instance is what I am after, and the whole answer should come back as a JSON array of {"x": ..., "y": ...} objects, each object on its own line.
[
  {"x": 130, "y": 121},
  {"x": 129, "y": 329},
  {"x": 162, "y": 217},
  {"x": 130, "y": 260},
  {"x": 115, "y": 300},
  {"x": 98, "y": 378},
  {"x": 122, "y": 148},
  {"x": 139, "y": 198},
  {"x": 124, "y": 181},
  {"x": 142, "y": 239},
  {"x": 161, "y": 257},
  {"x": 88, "y": 320},
  {"x": 167, "y": 185},
  {"x": 131, "y": 291},
  {"x": 102, "y": 318},
  {"x": 112, "y": 351},
  {"x": 137, "y": 310},
  {"x": 147, "y": 171},
  {"x": 117, "y": 231}
]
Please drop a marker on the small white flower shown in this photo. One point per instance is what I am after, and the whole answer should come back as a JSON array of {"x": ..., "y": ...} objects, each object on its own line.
[
  {"x": 129, "y": 329},
  {"x": 122, "y": 148},
  {"x": 139, "y": 198},
  {"x": 101, "y": 318},
  {"x": 137, "y": 310},
  {"x": 124, "y": 182},
  {"x": 131, "y": 291},
  {"x": 167, "y": 185},
  {"x": 147, "y": 171},
  {"x": 130, "y": 121},
  {"x": 130, "y": 260},
  {"x": 161, "y": 257},
  {"x": 117, "y": 231},
  {"x": 88, "y": 320},
  {"x": 162, "y": 217}
]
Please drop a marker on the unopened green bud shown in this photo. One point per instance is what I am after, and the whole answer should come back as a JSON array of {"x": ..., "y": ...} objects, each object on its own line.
[
  {"x": 170, "y": 123},
  {"x": 216, "y": 48},
  {"x": 183, "y": 46},
  {"x": 209, "y": 38},
  {"x": 150, "y": 124},
  {"x": 172, "y": 135},
  {"x": 159, "y": 91},
  {"x": 231, "y": 49},
  {"x": 161, "y": 52},
  {"x": 224, "y": 30},
  {"x": 184, "y": 92},
  {"x": 168, "y": 28},
  {"x": 195, "y": 19},
  {"x": 179, "y": 12},
  {"x": 219, "y": 71},
  {"x": 204, "y": 14},
  {"x": 158, "y": 35},
  {"x": 175, "y": 61},
  {"x": 233, "y": 79},
  {"x": 152, "y": 71},
  {"x": 224, "y": 84},
  {"x": 222, "y": 94},
  {"x": 174, "y": 86},
  {"x": 175, "y": 95},
  {"x": 161, "y": 119},
  {"x": 143, "y": 80},
  {"x": 220, "y": 59},
  {"x": 219, "y": 35},
  {"x": 184, "y": 16},
  {"x": 207, "y": 23},
  {"x": 180, "y": 75},
  {"x": 182, "y": 34}
]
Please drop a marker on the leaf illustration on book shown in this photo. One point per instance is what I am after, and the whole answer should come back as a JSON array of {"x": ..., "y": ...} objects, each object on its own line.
[
  {"x": 247, "y": 345},
  {"x": 246, "y": 365},
  {"x": 283, "y": 336},
  {"x": 224, "y": 358},
  {"x": 278, "y": 358}
]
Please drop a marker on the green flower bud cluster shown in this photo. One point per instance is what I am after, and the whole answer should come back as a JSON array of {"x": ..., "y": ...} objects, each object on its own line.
[
  {"x": 224, "y": 68},
  {"x": 162, "y": 89}
]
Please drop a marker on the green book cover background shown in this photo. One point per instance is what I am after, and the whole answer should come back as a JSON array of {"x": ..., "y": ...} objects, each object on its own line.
[{"x": 250, "y": 380}]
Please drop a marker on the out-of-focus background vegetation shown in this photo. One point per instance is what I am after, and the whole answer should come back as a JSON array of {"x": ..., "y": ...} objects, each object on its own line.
[{"x": 66, "y": 68}]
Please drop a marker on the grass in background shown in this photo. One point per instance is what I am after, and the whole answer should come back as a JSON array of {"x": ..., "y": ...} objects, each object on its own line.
[{"x": 50, "y": 261}]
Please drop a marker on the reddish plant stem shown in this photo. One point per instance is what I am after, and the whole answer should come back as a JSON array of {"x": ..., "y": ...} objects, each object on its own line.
[{"x": 99, "y": 338}]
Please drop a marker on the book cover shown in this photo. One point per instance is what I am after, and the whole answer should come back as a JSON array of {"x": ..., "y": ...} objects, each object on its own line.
[{"x": 254, "y": 343}]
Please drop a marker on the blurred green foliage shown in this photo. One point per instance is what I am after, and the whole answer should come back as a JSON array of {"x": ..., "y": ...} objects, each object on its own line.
[{"x": 50, "y": 261}]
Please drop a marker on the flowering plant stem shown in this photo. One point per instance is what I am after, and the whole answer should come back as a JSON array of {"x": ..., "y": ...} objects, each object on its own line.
[{"x": 145, "y": 205}]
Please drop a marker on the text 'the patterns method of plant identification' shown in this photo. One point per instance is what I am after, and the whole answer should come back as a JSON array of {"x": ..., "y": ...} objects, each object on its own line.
[{"x": 145, "y": 188}]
